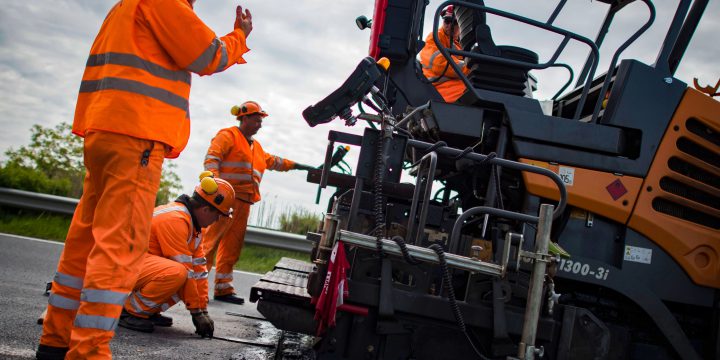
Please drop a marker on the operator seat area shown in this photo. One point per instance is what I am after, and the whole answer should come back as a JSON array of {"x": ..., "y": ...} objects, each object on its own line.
[{"x": 475, "y": 36}]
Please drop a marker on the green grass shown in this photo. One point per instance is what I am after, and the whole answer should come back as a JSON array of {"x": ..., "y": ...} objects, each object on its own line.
[
  {"x": 40, "y": 225},
  {"x": 34, "y": 224},
  {"x": 260, "y": 259}
]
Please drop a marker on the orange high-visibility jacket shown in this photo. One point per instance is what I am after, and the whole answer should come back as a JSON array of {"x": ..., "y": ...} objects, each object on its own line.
[
  {"x": 174, "y": 237},
  {"x": 232, "y": 158},
  {"x": 137, "y": 78},
  {"x": 433, "y": 63}
]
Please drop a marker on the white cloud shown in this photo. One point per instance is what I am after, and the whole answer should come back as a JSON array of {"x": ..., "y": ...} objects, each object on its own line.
[{"x": 301, "y": 51}]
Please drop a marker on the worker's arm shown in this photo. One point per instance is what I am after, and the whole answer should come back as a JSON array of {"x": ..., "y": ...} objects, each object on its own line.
[
  {"x": 434, "y": 63},
  {"x": 173, "y": 234},
  {"x": 201, "y": 279},
  {"x": 277, "y": 163},
  {"x": 220, "y": 147},
  {"x": 187, "y": 39}
]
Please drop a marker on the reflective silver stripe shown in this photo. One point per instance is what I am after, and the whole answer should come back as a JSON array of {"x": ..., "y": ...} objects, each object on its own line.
[
  {"x": 278, "y": 163},
  {"x": 170, "y": 209},
  {"x": 258, "y": 174},
  {"x": 224, "y": 276},
  {"x": 63, "y": 302},
  {"x": 243, "y": 177},
  {"x": 145, "y": 301},
  {"x": 238, "y": 164},
  {"x": 112, "y": 83},
  {"x": 199, "y": 261},
  {"x": 96, "y": 322},
  {"x": 212, "y": 166},
  {"x": 175, "y": 298},
  {"x": 164, "y": 306},
  {"x": 223, "y": 286},
  {"x": 432, "y": 60},
  {"x": 208, "y": 55},
  {"x": 200, "y": 275},
  {"x": 198, "y": 239},
  {"x": 103, "y": 296},
  {"x": 136, "y": 307},
  {"x": 68, "y": 280},
  {"x": 191, "y": 274},
  {"x": 138, "y": 63},
  {"x": 182, "y": 258},
  {"x": 211, "y": 157}
]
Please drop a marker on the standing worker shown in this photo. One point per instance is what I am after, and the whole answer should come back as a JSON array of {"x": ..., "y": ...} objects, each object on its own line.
[
  {"x": 174, "y": 267},
  {"x": 435, "y": 66},
  {"x": 133, "y": 111},
  {"x": 236, "y": 157}
]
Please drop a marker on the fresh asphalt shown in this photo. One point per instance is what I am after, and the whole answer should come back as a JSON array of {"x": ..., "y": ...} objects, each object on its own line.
[{"x": 26, "y": 264}]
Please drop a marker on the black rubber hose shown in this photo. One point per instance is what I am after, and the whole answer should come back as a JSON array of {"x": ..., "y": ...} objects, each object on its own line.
[
  {"x": 447, "y": 282},
  {"x": 403, "y": 249}
]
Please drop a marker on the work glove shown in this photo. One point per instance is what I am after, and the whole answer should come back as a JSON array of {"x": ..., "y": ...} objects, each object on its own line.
[
  {"x": 204, "y": 325},
  {"x": 299, "y": 166},
  {"x": 243, "y": 21}
]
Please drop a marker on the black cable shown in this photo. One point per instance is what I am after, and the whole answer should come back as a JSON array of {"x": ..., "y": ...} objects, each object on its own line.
[
  {"x": 447, "y": 282},
  {"x": 377, "y": 187},
  {"x": 403, "y": 249}
]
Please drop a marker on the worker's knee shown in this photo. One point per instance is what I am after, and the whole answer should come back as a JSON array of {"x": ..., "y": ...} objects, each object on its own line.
[{"x": 177, "y": 274}]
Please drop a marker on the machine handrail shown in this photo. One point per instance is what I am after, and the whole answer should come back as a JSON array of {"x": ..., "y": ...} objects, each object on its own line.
[{"x": 448, "y": 52}]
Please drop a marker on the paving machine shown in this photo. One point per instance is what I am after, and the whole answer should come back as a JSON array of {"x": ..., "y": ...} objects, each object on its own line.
[{"x": 589, "y": 229}]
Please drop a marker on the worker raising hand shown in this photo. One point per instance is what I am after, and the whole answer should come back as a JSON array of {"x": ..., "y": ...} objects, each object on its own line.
[{"x": 243, "y": 21}]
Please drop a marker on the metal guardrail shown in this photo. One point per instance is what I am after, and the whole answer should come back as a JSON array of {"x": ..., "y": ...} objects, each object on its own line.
[{"x": 63, "y": 205}]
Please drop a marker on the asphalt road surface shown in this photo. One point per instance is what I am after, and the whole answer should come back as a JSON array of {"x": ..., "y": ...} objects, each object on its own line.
[{"x": 26, "y": 264}]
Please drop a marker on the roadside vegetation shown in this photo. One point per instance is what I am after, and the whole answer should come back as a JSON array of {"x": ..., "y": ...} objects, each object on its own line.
[{"x": 52, "y": 164}]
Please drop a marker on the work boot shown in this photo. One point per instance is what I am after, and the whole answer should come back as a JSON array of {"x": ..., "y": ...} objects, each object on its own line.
[
  {"x": 132, "y": 322},
  {"x": 160, "y": 320},
  {"x": 230, "y": 298},
  {"x": 47, "y": 352}
]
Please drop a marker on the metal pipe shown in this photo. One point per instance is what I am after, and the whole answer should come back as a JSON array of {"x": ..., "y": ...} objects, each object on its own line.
[
  {"x": 555, "y": 13},
  {"x": 411, "y": 237},
  {"x": 611, "y": 69},
  {"x": 422, "y": 254},
  {"x": 526, "y": 348},
  {"x": 452, "y": 152},
  {"x": 454, "y": 244},
  {"x": 410, "y": 115}
]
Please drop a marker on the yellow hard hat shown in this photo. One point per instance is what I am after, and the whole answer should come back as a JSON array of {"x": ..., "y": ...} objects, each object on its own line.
[
  {"x": 247, "y": 108},
  {"x": 217, "y": 192}
]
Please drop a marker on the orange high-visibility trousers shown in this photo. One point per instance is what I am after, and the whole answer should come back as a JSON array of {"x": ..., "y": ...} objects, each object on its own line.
[
  {"x": 226, "y": 237},
  {"x": 107, "y": 239},
  {"x": 158, "y": 287}
]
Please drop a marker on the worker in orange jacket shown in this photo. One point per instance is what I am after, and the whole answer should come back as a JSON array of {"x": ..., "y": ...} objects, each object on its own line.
[
  {"x": 235, "y": 156},
  {"x": 132, "y": 111},
  {"x": 435, "y": 66},
  {"x": 174, "y": 267}
]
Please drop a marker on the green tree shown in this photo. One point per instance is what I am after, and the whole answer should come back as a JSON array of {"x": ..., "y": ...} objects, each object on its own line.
[
  {"x": 169, "y": 184},
  {"x": 53, "y": 164}
]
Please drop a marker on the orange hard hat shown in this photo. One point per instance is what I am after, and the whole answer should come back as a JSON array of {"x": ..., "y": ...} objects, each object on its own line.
[
  {"x": 247, "y": 108},
  {"x": 217, "y": 192}
]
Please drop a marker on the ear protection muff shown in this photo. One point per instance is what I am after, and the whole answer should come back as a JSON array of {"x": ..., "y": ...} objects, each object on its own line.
[{"x": 210, "y": 186}]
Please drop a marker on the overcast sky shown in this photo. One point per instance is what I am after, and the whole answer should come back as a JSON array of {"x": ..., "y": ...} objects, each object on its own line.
[{"x": 301, "y": 51}]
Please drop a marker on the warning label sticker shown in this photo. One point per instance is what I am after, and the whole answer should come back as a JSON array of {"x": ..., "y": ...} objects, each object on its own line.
[
  {"x": 567, "y": 174},
  {"x": 638, "y": 254}
]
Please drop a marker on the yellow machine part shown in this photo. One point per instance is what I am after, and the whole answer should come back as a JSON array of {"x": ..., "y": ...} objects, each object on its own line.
[
  {"x": 605, "y": 194},
  {"x": 679, "y": 205}
]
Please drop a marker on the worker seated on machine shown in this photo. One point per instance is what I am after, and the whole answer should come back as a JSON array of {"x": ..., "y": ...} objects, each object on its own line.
[
  {"x": 174, "y": 267},
  {"x": 435, "y": 66}
]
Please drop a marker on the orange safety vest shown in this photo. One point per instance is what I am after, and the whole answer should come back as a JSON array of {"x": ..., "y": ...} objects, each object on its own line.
[
  {"x": 447, "y": 83},
  {"x": 137, "y": 78},
  {"x": 174, "y": 237},
  {"x": 232, "y": 158}
]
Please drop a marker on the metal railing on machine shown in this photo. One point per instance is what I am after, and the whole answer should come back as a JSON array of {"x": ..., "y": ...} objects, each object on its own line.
[{"x": 63, "y": 205}]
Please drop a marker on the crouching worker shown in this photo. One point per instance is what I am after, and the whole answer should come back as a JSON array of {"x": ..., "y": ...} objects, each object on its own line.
[{"x": 174, "y": 267}]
